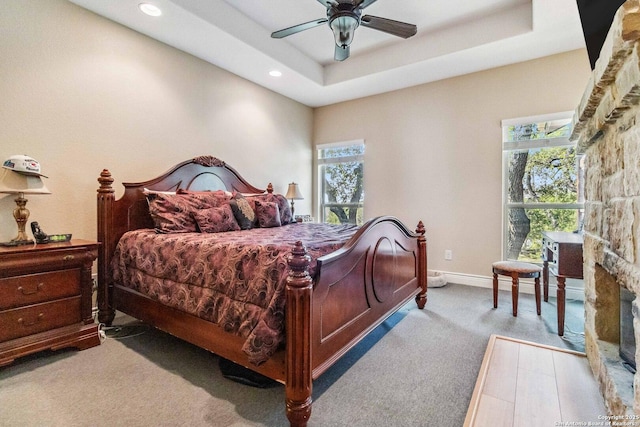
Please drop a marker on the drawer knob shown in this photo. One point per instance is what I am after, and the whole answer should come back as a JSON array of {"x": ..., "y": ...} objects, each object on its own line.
[
  {"x": 39, "y": 318},
  {"x": 35, "y": 291},
  {"x": 68, "y": 257}
]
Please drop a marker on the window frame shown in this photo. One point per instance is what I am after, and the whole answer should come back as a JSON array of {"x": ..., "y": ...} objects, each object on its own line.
[
  {"x": 320, "y": 162},
  {"x": 525, "y": 145}
]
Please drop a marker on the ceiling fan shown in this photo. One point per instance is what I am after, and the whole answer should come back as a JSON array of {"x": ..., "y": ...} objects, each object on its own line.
[{"x": 343, "y": 17}]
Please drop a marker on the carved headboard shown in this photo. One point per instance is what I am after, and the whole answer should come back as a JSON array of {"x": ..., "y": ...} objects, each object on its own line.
[{"x": 131, "y": 211}]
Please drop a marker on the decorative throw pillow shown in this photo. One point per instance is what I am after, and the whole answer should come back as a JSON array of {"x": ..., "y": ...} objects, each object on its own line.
[
  {"x": 283, "y": 205},
  {"x": 216, "y": 220},
  {"x": 268, "y": 214},
  {"x": 207, "y": 198},
  {"x": 285, "y": 209},
  {"x": 242, "y": 211},
  {"x": 172, "y": 213}
]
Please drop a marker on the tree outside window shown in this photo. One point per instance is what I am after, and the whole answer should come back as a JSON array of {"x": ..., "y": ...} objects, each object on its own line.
[
  {"x": 341, "y": 179},
  {"x": 543, "y": 178}
]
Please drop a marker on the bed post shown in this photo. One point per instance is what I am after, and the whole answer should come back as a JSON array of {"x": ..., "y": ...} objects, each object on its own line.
[
  {"x": 298, "y": 337},
  {"x": 105, "y": 229},
  {"x": 421, "y": 298}
]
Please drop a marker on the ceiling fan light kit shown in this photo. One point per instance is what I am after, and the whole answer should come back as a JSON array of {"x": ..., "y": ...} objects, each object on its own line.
[
  {"x": 343, "y": 28},
  {"x": 343, "y": 17}
]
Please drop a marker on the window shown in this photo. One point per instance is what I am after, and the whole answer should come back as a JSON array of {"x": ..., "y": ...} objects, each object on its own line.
[
  {"x": 543, "y": 176},
  {"x": 341, "y": 182}
]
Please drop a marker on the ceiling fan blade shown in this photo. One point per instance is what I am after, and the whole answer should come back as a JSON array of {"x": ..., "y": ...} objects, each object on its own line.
[
  {"x": 341, "y": 53},
  {"x": 297, "y": 28},
  {"x": 328, "y": 3},
  {"x": 364, "y": 3},
  {"x": 397, "y": 28}
]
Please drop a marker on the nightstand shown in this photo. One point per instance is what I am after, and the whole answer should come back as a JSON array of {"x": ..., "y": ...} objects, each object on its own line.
[{"x": 45, "y": 298}]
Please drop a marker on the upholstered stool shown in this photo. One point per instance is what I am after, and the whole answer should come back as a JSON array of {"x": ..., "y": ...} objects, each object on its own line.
[{"x": 516, "y": 270}]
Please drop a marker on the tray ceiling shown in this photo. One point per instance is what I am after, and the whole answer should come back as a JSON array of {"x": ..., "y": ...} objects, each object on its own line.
[{"x": 471, "y": 36}]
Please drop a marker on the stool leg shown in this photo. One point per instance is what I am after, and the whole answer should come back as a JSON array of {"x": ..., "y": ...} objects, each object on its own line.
[
  {"x": 514, "y": 293},
  {"x": 561, "y": 302},
  {"x": 537, "y": 285},
  {"x": 495, "y": 290}
]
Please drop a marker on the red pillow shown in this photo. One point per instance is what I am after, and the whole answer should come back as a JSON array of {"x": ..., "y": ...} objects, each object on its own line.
[
  {"x": 268, "y": 214},
  {"x": 216, "y": 219},
  {"x": 172, "y": 213},
  {"x": 211, "y": 198}
]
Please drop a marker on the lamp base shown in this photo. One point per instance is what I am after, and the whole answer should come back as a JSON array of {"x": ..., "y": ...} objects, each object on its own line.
[{"x": 17, "y": 243}]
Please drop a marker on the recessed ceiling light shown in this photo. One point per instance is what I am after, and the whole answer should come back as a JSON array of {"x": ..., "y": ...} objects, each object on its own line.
[
  {"x": 275, "y": 73},
  {"x": 150, "y": 9}
]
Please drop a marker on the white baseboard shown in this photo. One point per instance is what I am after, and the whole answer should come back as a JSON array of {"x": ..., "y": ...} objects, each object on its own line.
[{"x": 504, "y": 284}]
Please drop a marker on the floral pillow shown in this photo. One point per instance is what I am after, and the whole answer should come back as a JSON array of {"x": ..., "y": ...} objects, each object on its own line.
[
  {"x": 172, "y": 213},
  {"x": 210, "y": 198},
  {"x": 216, "y": 220},
  {"x": 268, "y": 214}
]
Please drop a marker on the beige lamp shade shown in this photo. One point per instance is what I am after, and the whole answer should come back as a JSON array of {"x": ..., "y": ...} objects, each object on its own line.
[
  {"x": 293, "y": 192},
  {"x": 16, "y": 183}
]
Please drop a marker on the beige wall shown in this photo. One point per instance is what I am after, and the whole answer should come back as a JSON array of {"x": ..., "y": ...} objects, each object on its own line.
[
  {"x": 80, "y": 93},
  {"x": 433, "y": 152}
]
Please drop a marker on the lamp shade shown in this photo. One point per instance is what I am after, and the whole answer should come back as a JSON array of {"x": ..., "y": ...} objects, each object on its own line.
[
  {"x": 293, "y": 192},
  {"x": 12, "y": 182}
]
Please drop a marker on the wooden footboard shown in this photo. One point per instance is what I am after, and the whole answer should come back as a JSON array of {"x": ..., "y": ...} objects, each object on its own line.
[
  {"x": 380, "y": 269},
  {"x": 377, "y": 273}
]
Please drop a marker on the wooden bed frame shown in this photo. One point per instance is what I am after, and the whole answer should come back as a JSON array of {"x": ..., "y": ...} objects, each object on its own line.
[{"x": 379, "y": 270}]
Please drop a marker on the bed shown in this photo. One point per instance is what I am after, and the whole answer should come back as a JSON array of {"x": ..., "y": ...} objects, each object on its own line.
[{"x": 327, "y": 290}]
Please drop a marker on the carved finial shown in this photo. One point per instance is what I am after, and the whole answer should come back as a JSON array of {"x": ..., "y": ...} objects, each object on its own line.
[
  {"x": 270, "y": 188},
  {"x": 105, "y": 181},
  {"x": 420, "y": 229},
  {"x": 209, "y": 161},
  {"x": 298, "y": 261}
]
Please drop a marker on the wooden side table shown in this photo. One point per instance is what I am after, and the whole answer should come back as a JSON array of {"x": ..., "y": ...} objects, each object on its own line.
[
  {"x": 562, "y": 255},
  {"x": 45, "y": 298}
]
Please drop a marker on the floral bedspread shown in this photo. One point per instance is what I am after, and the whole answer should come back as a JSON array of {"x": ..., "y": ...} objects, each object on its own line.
[{"x": 235, "y": 279}]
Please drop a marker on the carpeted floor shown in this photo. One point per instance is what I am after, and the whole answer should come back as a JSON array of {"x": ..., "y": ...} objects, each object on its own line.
[{"x": 417, "y": 369}]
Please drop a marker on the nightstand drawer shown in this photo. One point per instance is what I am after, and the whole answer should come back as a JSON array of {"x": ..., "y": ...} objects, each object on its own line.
[
  {"x": 34, "y": 288},
  {"x": 20, "y": 322}
]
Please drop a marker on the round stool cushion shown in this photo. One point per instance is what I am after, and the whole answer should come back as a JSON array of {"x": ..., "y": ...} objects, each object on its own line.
[{"x": 517, "y": 267}]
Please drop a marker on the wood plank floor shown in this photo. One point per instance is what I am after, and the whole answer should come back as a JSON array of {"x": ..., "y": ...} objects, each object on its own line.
[{"x": 525, "y": 384}]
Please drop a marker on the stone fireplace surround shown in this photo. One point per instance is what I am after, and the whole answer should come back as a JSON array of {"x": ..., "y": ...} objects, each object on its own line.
[{"x": 607, "y": 130}]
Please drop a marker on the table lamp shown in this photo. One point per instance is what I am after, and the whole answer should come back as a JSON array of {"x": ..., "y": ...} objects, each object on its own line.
[
  {"x": 293, "y": 193},
  {"x": 21, "y": 175}
]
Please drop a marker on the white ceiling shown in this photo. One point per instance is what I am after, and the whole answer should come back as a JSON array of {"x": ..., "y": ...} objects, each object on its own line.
[{"x": 454, "y": 38}]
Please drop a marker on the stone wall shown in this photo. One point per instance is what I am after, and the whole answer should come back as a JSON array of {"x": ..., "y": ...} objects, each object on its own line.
[{"x": 607, "y": 128}]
